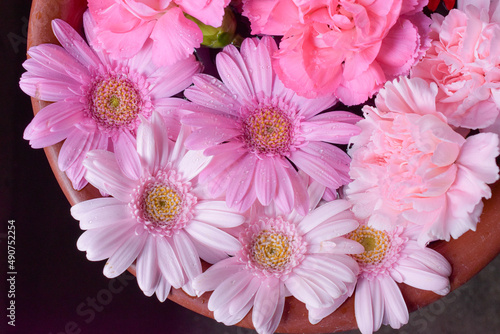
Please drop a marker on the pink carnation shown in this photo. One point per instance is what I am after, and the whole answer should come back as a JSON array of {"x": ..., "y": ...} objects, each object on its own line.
[
  {"x": 409, "y": 166},
  {"x": 343, "y": 47},
  {"x": 464, "y": 61},
  {"x": 124, "y": 26}
]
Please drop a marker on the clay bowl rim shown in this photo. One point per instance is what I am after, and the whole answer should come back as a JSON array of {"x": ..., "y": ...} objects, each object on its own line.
[{"x": 468, "y": 254}]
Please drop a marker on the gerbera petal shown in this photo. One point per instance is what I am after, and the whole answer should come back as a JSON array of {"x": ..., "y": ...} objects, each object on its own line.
[
  {"x": 299, "y": 288},
  {"x": 318, "y": 157},
  {"x": 101, "y": 243},
  {"x": 228, "y": 290},
  {"x": 212, "y": 93},
  {"x": 216, "y": 274},
  {"x": 329, "y": 231},
  {"x": 180, "y": 76},
  {"x": 241, "y": 181},
  {"x": 363, "y": 307},
  {"x": 169, "y": 263},
  {"x": 100, "y": 212},
  {"x": 234, "y": 73},
  {"x": 74, "y": 148},
  {"x": 396, "y": 312},
  {"x": 147, "y": 270},
  {"x": 74, "y": 43},
  {"x": 188, "y": 256},
  {"x": 258, "y": 58},
  {"x": 321, "y": 214},
  {"x": 213, "y": 237},
  {"x": 126, "y": 155},
  {"x": 153, "y": 145},
  {"x": 265, "y": 302},
  {"x": 192, "y": 163},
  {"x": 163, "y": 289},
  {"x": 246, "y": 295},
  {"x": 209, "y": 136},
  {"x": 103, "y": 172},
  {"x": 265, "y": 180},
  {"x": 125, "y": 255},
  {"x": 216, "y": 213},
  {"x": 419, "y": 276}
]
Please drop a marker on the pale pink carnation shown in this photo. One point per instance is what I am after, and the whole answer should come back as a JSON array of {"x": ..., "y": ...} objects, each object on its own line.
[
  {"x": 409, "y": 166},
  {"x": 281, "y": 256},
  {"x": 157, "y": 218},
  {"x": 391, "y": 257},
  {"x": 464, "y": 61},
  {"x": 125, "y": 26},
  {"x": 98, "y": 102},
  {"x": 259, "y": 132},
  {"x": 342, "y": 47}
]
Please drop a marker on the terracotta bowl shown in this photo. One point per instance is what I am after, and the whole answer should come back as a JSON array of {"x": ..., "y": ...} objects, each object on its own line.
[{"x": 468, "y": 254}]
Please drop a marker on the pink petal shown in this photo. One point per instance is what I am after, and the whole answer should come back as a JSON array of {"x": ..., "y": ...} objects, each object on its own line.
[
  {"x": 175, "y": 37},
  {"x": 101, "y": 243},
  {"x": 324, "y": 162},
  {"x": 192, "y": 163},
  {"x": 257, "y": 57},
  {"x": 147, "y": 270},
  {"x": 265, "y": 302},
  {"x": 180, "y": 76},
  {"x": 228, "y": 290},
  {"x": 419, "y": 276},
  {"x": 76, "y": 146},
  {"x": 153, "y": 145},
  {"x": 210, "y": 136},
  {"x": 103, "y": 172},
  {"x": 363, "y": 308},
  {"x": 329, "y": 231},
  {"x": 72, "y": 42},
  {"x": 216, "y": 274},
  {"x": 163, "y": 289},
  {"x": 271, "y": 17},
  {"x": 321, "y": 214},
  {"x": 242, "y": 178},
  {"x": 213, "y": 237},
  {"x": 125, "y": 255},
  {"x": 299, "y": 288},
  {"x": 362, "y": 87},
  {"x": 100, "y": 212},
  {"x": 246, "y": 296},
  {"x": 217, "y": 214},
  {"x": 188, "y": 256},
  {"x": 396, "y": 312},
  {"x": 208, "y": 12},
  {"x": 234, "y": 73},
  {"x": 212, "y": 93},
  {"x": 168, "y": 262},
  {"x": 265, "y": 180},
  {"x": 125, "y": 148}
]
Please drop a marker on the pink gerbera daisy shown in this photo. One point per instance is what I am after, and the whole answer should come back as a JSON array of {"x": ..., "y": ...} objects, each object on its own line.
[
  {"x": 98, "y": 101},
  {"x": 283, "y": 255},
  {"x": 391, "y": 257},
  {"x": 260, "y": 132},
  {"x": 159, "y": 218}
]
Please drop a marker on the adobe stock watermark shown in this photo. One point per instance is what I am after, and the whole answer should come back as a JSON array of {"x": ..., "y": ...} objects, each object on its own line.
[
  {"x": 88, "y": 308},
  {"x": 19, "y": 41}
]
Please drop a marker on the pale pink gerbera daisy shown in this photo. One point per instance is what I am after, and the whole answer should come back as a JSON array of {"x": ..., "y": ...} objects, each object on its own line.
[
  {"x": 259, "y": 131},
  {"x": 125, "y": 26},
  {"x": 390, "y": 258},
  {"x": 98, "y": 101},
  {"x": 159, "y": 218},
  {"x": 281, "y": 256}
]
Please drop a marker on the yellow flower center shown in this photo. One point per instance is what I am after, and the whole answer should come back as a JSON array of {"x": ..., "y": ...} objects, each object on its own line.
[
  {"x": 376, "y": 244},
  {"x": 268, "y": 130},
  {"x": 162, "y": 204},
  {"x": 271, "y": 250},
  {"x": 115, "y": 101}
]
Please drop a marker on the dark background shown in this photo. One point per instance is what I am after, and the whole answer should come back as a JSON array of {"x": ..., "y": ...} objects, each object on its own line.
[{"x": 57, "y": 290}]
